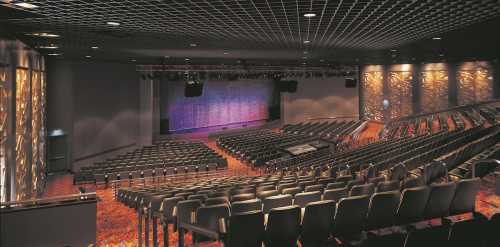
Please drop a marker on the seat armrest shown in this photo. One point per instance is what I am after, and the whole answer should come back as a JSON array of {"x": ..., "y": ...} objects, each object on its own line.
[{"x": 200, "y": 230}]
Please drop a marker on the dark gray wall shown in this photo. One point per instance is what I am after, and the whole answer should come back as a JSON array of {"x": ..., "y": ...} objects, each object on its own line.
[
  {"x": 96, "y": 104},
  {"x": 318, "y": 98}
]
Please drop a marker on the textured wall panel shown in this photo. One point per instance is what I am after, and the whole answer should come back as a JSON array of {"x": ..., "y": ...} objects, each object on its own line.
[
  {"x": 475, "y": 83},
  {"x": 434, "y": 91},
  {"x": 400, "y": 93},
  {"x": 373, "y": 93},
  {"x": 42, "y": 139},
  {"x": 23, "y": 141},
  {"x": 4, "y": 99},
  {"x": 36, "y": 122}
]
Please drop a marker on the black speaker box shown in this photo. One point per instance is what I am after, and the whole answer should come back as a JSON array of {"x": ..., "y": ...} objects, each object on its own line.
[
  {"x": 193, "y": 89},
  {"x": 351, "y": 83}
]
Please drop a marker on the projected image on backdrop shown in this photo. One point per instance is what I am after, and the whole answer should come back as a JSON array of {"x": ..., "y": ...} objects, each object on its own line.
[{"x": 222, "y": 103}]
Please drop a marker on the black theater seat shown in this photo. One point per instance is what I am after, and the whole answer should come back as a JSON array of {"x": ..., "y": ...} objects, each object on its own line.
[
  {"x": 208, "y": 217},
  {"x": 439, "y": 201},
  {"x": 412, "y": 205},
  {"x": 335, "y": 194},
  {"x": 216, "y": 200},
  {"x": 336, "y": 185},
  {"x": 464, "y": 200},
  {"x": 317, "y": 223},
  {"x": 434, "y": 236},
  {"x": 246, "y": 229},
  {"x": 302, "y": 199},
  {"x": 350, "y": 217},
  {"x": 364, "y": 189},
  {"x": 283, "y": 227},
  {"x": 276, "y": 202},
  {"x": 185, "y": 210},
  {"x": 388, "y": 186},
  {"x": 468, "y": 232},
  {"x": 246, "y": 206},
  {"x": 382, "y": 210},
  {"x": 242, "y": 197},
  {"x": 292, "y": 191}
]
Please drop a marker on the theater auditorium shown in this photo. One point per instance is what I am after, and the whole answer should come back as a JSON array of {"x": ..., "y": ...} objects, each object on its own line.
[{"x": 249, "y": 123}]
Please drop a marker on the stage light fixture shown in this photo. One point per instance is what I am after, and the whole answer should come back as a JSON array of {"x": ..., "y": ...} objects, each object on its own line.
[
  {"x": 95, "y": 47},
  {"x": 54, "y": 54},
  {"x": 88, "y": 56},
  {"x": 113, "y": 23},
  {"x": 307, "y": 41},
  {"x": 25, "y": 5},
  {"x": 436, "y": 38},
  {"x": 309, "y": 15},
  {"x": 47, "y": 47},
  {"x": 193, "y": 45},
  {"x": 44, "y": 35}
]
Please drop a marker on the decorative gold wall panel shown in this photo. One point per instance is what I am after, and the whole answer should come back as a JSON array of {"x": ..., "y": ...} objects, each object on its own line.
[
  {"x": 42, "y": 166},
  {"x": 36, "y": 127},
  {"x": 475, "y": 84},
  {"x": 4, "y": 99},
  {"x": 400, "y": 93},
  {"x": 434, "y": 93},
  {"x": 373, "y": 92},
  {"x": 22, "y": 133}
]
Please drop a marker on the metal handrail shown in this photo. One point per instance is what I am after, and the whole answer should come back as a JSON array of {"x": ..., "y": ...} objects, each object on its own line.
[{"x": 39, "y": 201}]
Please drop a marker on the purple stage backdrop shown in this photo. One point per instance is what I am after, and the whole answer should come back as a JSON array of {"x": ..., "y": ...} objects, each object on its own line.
[{"x": 222, "y": 102}]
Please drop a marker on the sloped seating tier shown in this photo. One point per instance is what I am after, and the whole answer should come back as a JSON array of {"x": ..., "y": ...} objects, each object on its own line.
[
  {"x": 327, "y": 130},
  {"x": 165, "y": 157},
  {"x": 351, "y": 215}
]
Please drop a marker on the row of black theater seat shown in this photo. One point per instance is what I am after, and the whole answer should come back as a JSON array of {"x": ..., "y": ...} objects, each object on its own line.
[
  {"x": 419, "y": 203},
  {"x": 164, "y": 155},
  {"x": 326, "y": 129}
]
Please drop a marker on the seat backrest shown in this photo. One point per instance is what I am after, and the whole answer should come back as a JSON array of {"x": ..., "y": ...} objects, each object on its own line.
[
  {"x": 242, "y": 197},
  {"x": 184, "y": 194},
  {"x": 335, "y": 194},
  {"x": 216, "y": 200},
  {"x": 355, "y": 182},
  {"x": 185, "y": 210},
  {"x": 364, "y": 189},
  {"x": 398, "y": 172},
  {"x": 336, "y": 185},
  {"x": 350, "y": 215},
  {"x": 276, "y": 202},
  {"x": 439, "y": 201},
  {"x": 302, "y": 199},
  {"x": 317, "y": 222},
  {"x": 464, "y": 200},
  {"x": 468, "y": 232},
  {"x": 264, "y": 194},
  {"x": 316, "y": 187},
  {"x": 265, "y": 188},
  {"x": 388, "y": 186},
  {"x": 246, "y": 206},
  {"x": 413, "y": 182},
  {"x": 376, "y": 180},
  {"x": 291, "y": 191},
  {"x": 283, "y": 227},
  {"x": 246, "y": 229},
  {"x": 382, "y": 209},
  {"x": 344, "y": 179},
  {"x": 202, "y": 198},
  {"x": 283, "y": 186},
  {"x": 412, "y": 205},
  {"x": 208, "y": 217},
  {"x": 435, "y": 236},
  {"x": 168, "y": 206}
]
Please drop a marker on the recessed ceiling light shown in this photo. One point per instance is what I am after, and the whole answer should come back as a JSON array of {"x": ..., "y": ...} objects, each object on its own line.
[
  {"x": 304, "y": 57},
  {"x": 307, "y": 41},
  {"x": 306, "y": 52},
  {"x": 113, "y": 23},
  {"x": 94, "y": 47},
  {"x": 394, "y": 50},
  {"x": 166, "y": 56},
  {"x": 88, "y": 56},
  {"x": 26, "y": 5},
  {"x": 54, "y": 54},
  {"x": 226, "y": 53},
  {"x": 43, "y": 34},
  {"x": 436, "y": 38},
  {"x": 187, "y": 59},
  {"x": 309, "y": 15},
  {"x": 47, "y": 47},
  {"x": 441, "y": 55},
  {"x": 193, "y": 45},
  {"x": 133, "y": 60}
]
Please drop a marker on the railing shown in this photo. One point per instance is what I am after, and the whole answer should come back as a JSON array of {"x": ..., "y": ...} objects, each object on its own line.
[{"x": 25, "y": 204}]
